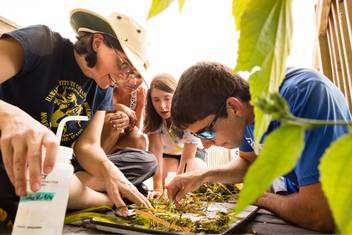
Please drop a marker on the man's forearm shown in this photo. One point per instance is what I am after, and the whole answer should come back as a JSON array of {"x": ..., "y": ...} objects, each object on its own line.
[
  {"x": 231, "y": 173},
  {"x": 303, "y": 213}
]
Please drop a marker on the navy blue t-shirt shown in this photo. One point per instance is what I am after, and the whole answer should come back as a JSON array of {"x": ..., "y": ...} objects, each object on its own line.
[
  {"x": 51, "y": 85},
  {"x": 309, "y": 95}
]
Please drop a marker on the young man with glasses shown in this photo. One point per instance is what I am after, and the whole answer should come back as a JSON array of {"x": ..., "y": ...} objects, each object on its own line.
[
  {"x": 214, "y": 104},
  {"x": 44, "y": 78}
]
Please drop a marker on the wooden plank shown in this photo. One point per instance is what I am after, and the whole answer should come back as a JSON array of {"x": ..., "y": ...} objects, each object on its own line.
[
  {"x": 267, "y": 228},
  {"x": 332, "y": 63},
  {"x": 323, "y": 9},
  {"x": 325, "y": 63},
  {"x": 333, "y": 53},
  {"x": 316, "y": 63},
  {"x": 269, "y": 219},
  {"x": 338, "y": 52},
  {"x": 346, "y": 49},
  {"x": 348, "y": 13}
]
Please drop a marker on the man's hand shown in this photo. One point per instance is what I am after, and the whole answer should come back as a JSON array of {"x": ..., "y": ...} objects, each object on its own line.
[
  {"x": 307, "y": 208},
  {"x": 183, "y": 184},
  {"x": 22, "y": 139}
]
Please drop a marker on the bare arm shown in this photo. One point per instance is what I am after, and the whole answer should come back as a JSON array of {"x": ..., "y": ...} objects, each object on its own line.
[
  {"x": 21, "y": 142},
  {"x": 22, "y": 137},
  {"x": 11, "y": 58},
  {"x": 156, "y": 147},
  {"x": 87, "y": 146},
  {"x": 190, "y": 181},
  {"x": 141, "y": 96},
  {"x": 188, "y": 153},
  {"x": 232, "y": 172},
  {"x": 93, "y": 159},
  {"x": 307, "y": 208}
]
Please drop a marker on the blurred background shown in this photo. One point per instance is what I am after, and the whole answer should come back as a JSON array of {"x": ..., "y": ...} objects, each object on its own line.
[{"x": 204, "y": 30}]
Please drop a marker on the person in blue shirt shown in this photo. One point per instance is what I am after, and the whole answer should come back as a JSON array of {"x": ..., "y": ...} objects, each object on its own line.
[
  {"x": 214, "y": 104},
  {"x": 44, "y": 78}
]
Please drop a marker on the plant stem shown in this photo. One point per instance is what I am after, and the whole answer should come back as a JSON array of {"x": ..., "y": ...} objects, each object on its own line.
[{"x": 311, "y": 123}]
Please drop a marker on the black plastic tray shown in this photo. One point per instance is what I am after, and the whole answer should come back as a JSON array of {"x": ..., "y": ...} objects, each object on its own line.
[{"x": 243, "y": 217}]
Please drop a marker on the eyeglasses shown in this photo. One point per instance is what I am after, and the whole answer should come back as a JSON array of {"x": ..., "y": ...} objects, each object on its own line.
[
  {"x": 114, "y": 82},
  {"x": 126, "y": 67},
  {"x": 207, "y": 133}
]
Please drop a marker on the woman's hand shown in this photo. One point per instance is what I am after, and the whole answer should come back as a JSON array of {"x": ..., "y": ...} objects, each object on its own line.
[
  {"x": 21, "y": 141},
  {"x": 118, "y": 187},
  {"x": 118, "y": 120}
]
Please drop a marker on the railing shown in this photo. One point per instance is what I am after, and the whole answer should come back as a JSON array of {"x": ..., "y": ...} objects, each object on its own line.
[
  {"x": 218, "y": 156},
  {"x": 333, "y": 51},
  {"x": 6, "y": 25}
]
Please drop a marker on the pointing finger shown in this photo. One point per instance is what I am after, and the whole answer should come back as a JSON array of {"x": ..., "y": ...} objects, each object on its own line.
[{"x": 51, "y": 145}]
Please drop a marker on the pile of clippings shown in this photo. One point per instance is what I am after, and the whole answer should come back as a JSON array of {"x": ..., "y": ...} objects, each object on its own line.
[
  {"x": 166, "y": 216},
  {"x": 194, "y": 214}
]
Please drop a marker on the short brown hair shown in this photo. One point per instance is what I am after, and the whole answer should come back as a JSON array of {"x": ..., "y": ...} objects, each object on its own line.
[
  {"x": 164, "y": 82},
  {"x": 83, "y": 46},
  {"x": 202, "y": 90}
]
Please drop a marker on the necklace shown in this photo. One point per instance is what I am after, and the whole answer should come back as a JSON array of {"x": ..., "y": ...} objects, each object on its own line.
[{"x": 133, "y": 100}]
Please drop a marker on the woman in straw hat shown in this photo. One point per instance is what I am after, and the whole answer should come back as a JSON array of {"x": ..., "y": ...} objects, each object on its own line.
[{"x": 44, "y": 78}]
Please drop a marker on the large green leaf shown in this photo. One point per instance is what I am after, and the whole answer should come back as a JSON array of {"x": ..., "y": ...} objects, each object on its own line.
[
  {"x": 180, "y": 4},
  {"x": 281, "y": 150},
  {"x": 335, "y": 170},
  {"x": 265, "y": 27},
  {"x": 265, "y": 41},
  {"x": 238, "y": 7},
  {"x": 158, "y": 6}
]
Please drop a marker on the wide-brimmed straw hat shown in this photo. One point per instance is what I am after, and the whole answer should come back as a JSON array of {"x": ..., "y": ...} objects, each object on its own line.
[{"x": 131, "y": 36}]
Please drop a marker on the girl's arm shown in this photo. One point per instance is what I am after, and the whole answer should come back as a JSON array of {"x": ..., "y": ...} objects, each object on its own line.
[
  {"x": 156, "y": 147},
  {"x": 189, "y": 152}
]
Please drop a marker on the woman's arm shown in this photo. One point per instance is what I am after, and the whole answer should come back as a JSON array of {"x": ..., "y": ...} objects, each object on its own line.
[
  {"x": 141, "y": 99},
  {"x": 11, "y": 58},
  {"x": 156, "y": 147},
  {"x": 87, "y": 147},
  {"x": 94, "y": 160}
]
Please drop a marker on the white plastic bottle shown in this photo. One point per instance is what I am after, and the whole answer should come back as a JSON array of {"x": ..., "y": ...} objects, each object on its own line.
[{"x": 43, "y": 212}]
